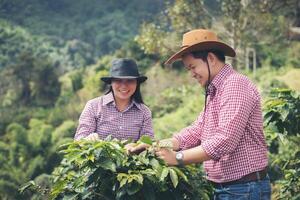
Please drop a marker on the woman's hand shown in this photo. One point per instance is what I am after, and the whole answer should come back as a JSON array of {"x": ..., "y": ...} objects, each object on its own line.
[
  {"x": 133, "y": 148},
  {"x": 167, "y": 155},
  {"x": 92, "y": 137}
]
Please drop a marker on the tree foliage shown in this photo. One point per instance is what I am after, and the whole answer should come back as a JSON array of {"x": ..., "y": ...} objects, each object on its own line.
[
  {"x": 82, "y": 30},
  {"x": 65, "y": 54},
  {"x": 36, "y": 82},
  {"x": 26, "y": 154},
  {"x": 282, "y": 125},
  {"x": 241, "y": 24}
]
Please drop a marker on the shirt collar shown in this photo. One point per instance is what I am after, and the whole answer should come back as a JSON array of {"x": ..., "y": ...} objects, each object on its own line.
[
  {"x": 109, "y": 98},
  {"x": 219, "y": 78},
  {"x": 211, "y": 90}
]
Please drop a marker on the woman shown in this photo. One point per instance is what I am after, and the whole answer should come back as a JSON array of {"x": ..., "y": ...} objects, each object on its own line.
[{"x": 121, "y": 112}]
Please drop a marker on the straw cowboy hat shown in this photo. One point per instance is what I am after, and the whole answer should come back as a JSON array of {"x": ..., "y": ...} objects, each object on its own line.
[
  {"x": 201, "y": 39},
  {"x": 124, "y": 68}
]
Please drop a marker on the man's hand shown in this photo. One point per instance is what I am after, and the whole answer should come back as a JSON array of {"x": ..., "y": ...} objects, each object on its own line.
[
  {"x": 169, "y": 143},
  {"x": 167, "y": 155},
  {"x": 134, "y": 148}
]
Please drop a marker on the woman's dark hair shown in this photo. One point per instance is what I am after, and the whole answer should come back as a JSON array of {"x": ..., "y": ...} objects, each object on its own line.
[
  {"x": 137, "y": 95},
  {"x": 203, "y": 54}
]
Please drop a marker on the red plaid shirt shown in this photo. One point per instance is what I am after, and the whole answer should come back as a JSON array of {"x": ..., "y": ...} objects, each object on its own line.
[
  {"x": 231, "y": 129},
  {"x": 101, "y": 116}
]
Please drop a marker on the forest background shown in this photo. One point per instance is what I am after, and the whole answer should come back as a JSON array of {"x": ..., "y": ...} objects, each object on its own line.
[{"x": 53, "y": 52}]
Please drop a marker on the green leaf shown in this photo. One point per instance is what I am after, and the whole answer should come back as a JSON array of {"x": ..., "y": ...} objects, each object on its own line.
[
  {"x": 154, "y": 163},
  {"x": 58, "y": 188},
  {"x": 108, "y": 164},
  {"x": 147, "y": 172},
  {"x": 27, "y": 186},
  {"x": 144, "y": 158},
  {"x": 180, "y": 174},
  {"x": 146, "y": 139},
  {"x": 284, "y": 113},
  {"x": 91, "y": 157},
  {"x": 123, "y": 182},
  {"x": 133, "y": 188},
  {"x": 139, "y": 179},
  {"x": 70, "y": 197},
  {"x": 174, "y": 177},
  {"x": 120, "y": 193},
  {"x": 164, "y": 174}
]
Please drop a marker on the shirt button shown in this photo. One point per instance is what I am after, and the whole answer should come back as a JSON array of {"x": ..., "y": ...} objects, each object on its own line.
[{"x": 120, "y": 127}]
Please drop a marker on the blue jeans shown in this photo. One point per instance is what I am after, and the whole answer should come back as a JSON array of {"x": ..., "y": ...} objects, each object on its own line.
[{"x": 255, "y": 190}]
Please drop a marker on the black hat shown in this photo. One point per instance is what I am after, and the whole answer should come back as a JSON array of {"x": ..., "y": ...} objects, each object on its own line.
[{"x": 124, "y": 68}]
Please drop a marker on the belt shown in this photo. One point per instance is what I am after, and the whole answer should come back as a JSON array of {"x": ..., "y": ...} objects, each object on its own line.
[{"x": 254, "y": 176}]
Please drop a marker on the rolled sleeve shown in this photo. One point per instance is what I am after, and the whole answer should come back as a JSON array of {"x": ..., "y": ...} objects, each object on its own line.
[
  {"x": 235, "y": 109},
  {"x": 190, "y": 136}
]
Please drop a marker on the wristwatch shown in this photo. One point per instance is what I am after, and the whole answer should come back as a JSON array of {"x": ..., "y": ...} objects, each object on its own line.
[{"x": 179, "y": 158}]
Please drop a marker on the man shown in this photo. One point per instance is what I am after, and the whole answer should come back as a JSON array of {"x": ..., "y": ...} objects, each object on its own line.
[{"x": 228, "y": 135}]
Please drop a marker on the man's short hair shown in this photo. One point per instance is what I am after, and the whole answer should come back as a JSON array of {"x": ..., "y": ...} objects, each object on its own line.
[{"x": 203, "y": 54}]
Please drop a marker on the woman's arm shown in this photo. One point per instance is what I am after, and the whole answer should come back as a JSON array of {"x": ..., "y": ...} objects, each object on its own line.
[{"x": 87, "y": 122}]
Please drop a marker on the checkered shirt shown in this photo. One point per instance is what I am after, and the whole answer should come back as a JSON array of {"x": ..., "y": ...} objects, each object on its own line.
[
  {"x": 101, "y": 116},
  {"x": 231, "y": 129}
]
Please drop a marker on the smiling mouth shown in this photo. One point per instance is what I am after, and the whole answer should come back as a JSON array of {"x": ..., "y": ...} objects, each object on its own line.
[{"x": 124, "y": 91}]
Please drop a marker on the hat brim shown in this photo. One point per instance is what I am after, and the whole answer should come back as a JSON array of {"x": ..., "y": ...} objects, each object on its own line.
[
  {"x": 108, "y": 79},
  {"x": 209, "y": 45}
]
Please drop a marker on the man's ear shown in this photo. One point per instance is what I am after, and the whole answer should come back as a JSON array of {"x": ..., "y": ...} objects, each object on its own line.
[{"x": 211, "y": 58}]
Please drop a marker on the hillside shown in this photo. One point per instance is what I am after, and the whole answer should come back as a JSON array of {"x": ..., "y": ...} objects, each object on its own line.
[{"x": 73, "y": 34}]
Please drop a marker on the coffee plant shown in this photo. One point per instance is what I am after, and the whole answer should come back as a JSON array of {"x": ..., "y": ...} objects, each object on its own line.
[
  {"x": 103, "y": 170},
  {"x": 282, "y": 127}
]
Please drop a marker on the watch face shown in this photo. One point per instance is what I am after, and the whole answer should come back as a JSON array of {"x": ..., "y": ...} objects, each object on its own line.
[{"x": 179, "y": 156}]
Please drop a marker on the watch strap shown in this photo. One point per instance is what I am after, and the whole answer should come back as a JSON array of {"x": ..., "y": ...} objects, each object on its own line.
[{"x": 179, "y": 158}]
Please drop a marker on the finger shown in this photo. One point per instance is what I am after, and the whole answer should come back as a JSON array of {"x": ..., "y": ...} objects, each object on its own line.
[
  {"x": 128, "y": 150},
  {"x": 139, "y": 148},
  {"x": 161, "y": 157},
  {"x": 94, "y": 138},
  {"x": 128, "y": 146},
  {"x": 157, "y": 153},
  {"x": 157, "y": 149},
  {"x": 89, "y": 138}
]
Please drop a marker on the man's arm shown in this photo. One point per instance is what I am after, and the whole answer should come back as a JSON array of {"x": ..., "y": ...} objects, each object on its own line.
[
  {"x": 190, "y": 136},
  {"x": 193, "y": 155}
]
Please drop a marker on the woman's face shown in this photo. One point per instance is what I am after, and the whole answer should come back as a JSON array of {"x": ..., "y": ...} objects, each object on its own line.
[{"x": 123, "y": 88}]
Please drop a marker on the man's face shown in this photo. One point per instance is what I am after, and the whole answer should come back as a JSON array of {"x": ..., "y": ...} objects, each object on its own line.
[{"x": 197, "y": 67}]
